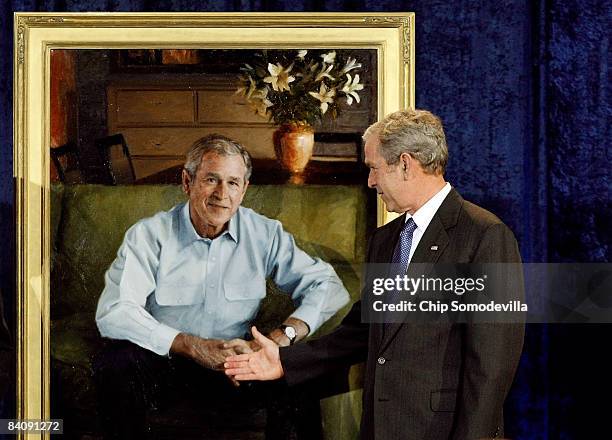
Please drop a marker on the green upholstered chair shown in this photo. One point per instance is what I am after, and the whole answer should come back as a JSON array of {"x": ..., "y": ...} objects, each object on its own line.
[{"x": 87, "y": 227}]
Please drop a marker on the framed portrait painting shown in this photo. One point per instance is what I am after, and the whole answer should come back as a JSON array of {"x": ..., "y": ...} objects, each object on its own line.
[{"x": 106, "y": 105}]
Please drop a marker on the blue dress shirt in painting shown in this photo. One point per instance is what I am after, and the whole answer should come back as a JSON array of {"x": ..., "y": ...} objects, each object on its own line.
[{"x": 167, "y": 279}]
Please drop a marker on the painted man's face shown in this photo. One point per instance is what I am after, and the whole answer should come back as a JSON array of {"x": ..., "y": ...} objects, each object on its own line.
[{"x": 216, "y": 192}]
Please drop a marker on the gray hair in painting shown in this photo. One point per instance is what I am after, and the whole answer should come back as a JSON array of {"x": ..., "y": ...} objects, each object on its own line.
[{"x": 219, "y": 144}]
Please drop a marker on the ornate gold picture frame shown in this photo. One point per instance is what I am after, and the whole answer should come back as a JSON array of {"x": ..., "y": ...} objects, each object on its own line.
[{"x": 36, "y": 34}]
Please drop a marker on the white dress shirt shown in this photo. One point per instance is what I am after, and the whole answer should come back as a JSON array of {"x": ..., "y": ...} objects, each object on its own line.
[{"x": 423, "y": 216}]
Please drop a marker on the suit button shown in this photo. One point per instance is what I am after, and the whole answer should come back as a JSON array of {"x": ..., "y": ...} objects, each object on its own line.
[{"x": 381, "y": 360}]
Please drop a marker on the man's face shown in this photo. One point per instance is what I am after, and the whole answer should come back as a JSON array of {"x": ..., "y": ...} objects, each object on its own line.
[
  {"x": 216, "y": 192},
  {"x": 388, "y": 180}
]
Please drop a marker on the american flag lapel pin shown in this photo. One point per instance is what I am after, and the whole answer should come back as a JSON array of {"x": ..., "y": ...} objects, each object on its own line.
[{"x": 434, "y": 248}]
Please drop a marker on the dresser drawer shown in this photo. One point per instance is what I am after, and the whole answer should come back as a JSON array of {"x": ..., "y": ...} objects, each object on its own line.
[
  {"x": 137, "y": 107},
  {"x": 175, "y": 141},
  {"x": 162, "y": 141},
  {"x": 226, "y": 107}
]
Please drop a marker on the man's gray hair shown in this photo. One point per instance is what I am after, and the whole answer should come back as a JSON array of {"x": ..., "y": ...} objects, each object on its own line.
[
  {"x": 416, "y": 132},
  {"x": 219, "y": 144}
]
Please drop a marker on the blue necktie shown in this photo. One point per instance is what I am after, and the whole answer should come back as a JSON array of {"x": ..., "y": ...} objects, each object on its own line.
[{"x": 399, "y": 262}]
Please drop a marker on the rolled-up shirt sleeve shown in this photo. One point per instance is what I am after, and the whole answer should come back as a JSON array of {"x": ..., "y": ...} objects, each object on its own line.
[
  {"x": 312, "y": 283},
  {"x": 121, "y": 312}
]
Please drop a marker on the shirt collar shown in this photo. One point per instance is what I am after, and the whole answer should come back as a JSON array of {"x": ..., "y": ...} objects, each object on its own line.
[
  {"x": 425, "y": 213},
  {"x": 232, "y": 229},
  {"x": 189, "y": 233}
]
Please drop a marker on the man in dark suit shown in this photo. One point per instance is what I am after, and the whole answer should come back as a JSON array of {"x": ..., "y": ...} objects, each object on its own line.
[{"x": 441, "y": 380}]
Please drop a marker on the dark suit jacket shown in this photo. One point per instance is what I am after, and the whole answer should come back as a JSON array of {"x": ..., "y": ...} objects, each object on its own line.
[{"x": 427, "y": 381}]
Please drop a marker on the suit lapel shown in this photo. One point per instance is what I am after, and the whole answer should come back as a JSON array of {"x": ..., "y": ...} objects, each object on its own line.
[
  {"x": 389, "y": 235},
  {"x": 432, "y": 244},
  {"x": 435, "y": 237},
  {"x": 388, "y": 239}
]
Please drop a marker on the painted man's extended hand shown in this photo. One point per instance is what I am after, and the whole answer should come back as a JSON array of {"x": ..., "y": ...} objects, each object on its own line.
[{"x": 264, "y": 364}]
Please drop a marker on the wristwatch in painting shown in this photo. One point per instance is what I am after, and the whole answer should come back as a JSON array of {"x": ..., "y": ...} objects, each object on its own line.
[{"x": 290, "y": 332}]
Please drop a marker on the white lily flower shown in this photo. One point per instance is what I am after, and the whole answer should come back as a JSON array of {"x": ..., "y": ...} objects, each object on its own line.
[
  {"x": 350, "y": 88},
  {"x": 302, "y": 53},
  {"x": 259, "y": 102},
  {"x": 247, "y": 91},
  {"x": 241, "y": 90},
  {"x": 325, "y": 96},
  {"x": 329, "y": 57},
  {"x": 279, "y": 77},
  {"x": 324, "y": 73},
  {"x": 260, "y": 94},
  {"x": 351, "y": 64},
  {"x": 261, "y": 107}
]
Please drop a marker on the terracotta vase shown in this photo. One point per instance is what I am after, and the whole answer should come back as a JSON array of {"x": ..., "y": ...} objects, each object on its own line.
[{"x": 293, "y": 144}]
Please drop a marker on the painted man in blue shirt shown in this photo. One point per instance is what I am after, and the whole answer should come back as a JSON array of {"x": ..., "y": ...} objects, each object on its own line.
[{"x": 187, "y": 283}]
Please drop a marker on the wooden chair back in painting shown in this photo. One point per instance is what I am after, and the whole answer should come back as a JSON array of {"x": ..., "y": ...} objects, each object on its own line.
[
  {"x": 115, "y": 155},
  {"x": 67, "y": 163}
]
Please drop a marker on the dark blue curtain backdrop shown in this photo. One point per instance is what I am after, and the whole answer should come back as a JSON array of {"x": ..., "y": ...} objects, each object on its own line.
[{"x": 522, "y": 87}]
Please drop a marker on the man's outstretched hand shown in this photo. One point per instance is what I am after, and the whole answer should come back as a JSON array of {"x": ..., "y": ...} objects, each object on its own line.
[{"x": 264, "y": 364}]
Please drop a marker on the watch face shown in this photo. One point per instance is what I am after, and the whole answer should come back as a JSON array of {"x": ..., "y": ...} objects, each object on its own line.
[{"x": 290, "y": 332}]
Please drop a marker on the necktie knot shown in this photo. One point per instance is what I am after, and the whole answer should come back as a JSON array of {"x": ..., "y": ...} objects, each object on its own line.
[{"x": 409, "y": 225}]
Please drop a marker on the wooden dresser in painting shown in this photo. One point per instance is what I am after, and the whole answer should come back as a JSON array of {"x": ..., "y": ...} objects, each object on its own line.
[{"x": 160, "y": 119}]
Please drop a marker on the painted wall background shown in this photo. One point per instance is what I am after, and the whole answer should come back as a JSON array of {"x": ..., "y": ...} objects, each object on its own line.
[
  {"x": 523, "y": 89},
  {"x": 63, "y": 97},
  {"x": 63, "y": 101}
]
